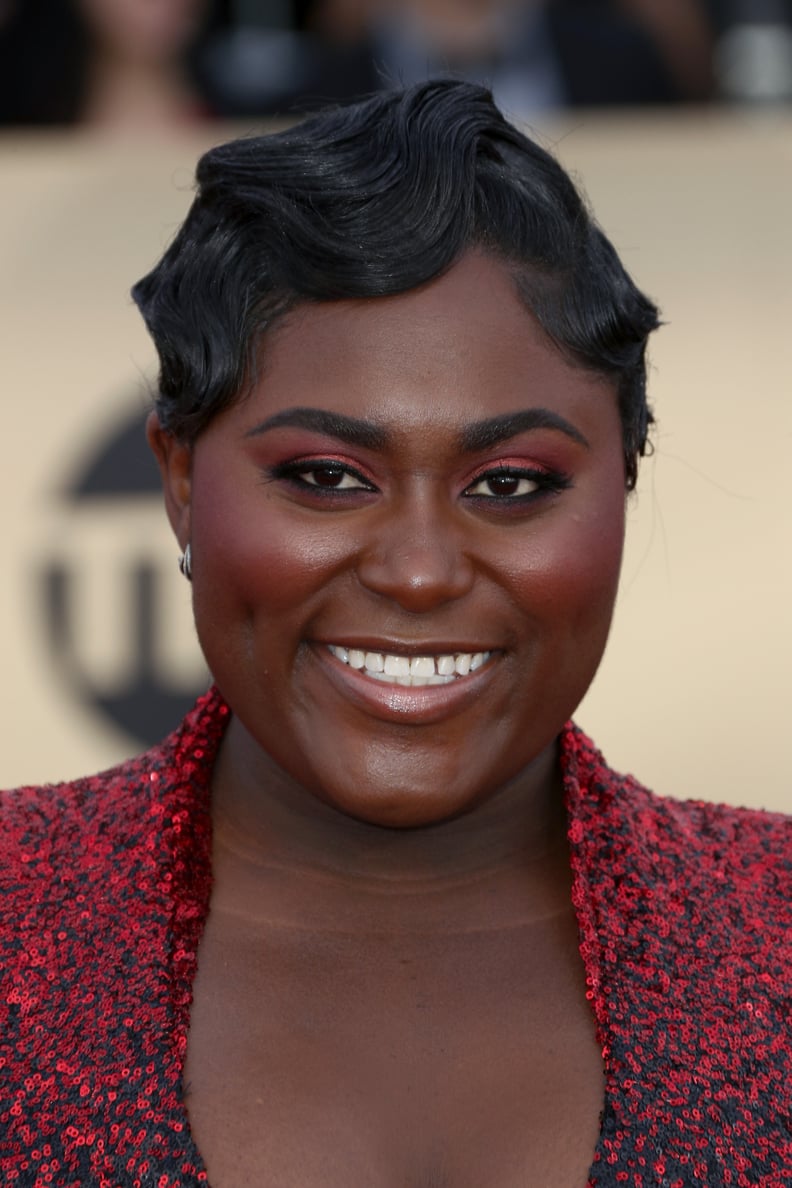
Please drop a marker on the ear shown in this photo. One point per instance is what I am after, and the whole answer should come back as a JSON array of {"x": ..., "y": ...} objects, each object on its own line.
[{"x": 175, "y": 462}]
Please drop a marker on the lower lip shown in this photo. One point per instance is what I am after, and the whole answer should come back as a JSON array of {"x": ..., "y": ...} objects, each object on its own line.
[{"x": 422, "y": 704}]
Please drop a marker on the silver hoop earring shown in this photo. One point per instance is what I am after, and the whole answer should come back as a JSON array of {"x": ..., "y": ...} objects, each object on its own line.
[{"x": 185, "y": 563}]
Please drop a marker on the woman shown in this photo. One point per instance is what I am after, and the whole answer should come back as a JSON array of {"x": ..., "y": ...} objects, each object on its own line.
[{"x": 377, "y": 913}]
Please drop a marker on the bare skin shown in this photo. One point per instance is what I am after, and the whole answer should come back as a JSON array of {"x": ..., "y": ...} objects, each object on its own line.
[
  {"x": 389, "y": 987},
  {"x": 410, "y": 1022}
]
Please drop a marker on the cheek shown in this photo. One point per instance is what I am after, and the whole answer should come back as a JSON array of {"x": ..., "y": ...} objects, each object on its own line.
[
  {"x": 250, "y": 552},
  {"x": 569, "y": 575}
]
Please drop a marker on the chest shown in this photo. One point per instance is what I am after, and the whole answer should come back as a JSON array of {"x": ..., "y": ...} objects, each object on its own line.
[{"x": 319, "y": 1060}]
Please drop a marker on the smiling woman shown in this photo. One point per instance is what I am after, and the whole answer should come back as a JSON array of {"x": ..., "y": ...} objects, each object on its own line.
[
  {"x": 457, "y": 491},
  {"x": 378, "y": 913}
]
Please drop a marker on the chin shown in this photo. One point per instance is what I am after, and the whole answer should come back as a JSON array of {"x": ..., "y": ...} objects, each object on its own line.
[
  {"x": 399, "y": 809},
  {"x": 400, "y": 804}
]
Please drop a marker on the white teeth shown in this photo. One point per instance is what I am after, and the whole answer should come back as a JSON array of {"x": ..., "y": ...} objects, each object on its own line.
[
  {"x": 412, "y": 671},
  {"x": 422, "y": 666},
  {"x": 397, "y": 666}
]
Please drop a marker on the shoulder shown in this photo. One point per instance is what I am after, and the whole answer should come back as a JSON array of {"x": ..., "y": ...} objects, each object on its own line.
[
  {"x": 51, "y": 821},
  {"x": 50, "y": 832},
  {"x": 685, "y": 908},
  {"x": 685, "y": 915},
  {"x": 711, "y": 851},
  {"x": 697, "y": 820}
]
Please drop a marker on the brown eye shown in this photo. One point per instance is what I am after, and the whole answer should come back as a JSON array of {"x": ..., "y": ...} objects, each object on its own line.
[
  {"x": 326, "y": 476},
  {"x": 503, "y": 486},
  {"x": 331, "y": 477}
]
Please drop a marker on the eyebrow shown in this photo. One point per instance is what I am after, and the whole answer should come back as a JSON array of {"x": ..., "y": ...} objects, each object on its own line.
[
  {"x": 483, "y": 434},
  {"x": 479, "y": 436},
  {"x": 352, "y": 430}
]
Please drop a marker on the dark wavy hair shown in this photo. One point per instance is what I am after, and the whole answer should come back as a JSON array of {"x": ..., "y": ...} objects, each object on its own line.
[{"x": 374, "y": 199}]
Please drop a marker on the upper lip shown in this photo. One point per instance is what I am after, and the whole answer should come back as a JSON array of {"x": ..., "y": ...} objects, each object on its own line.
[{"x": 397, "y": 647}]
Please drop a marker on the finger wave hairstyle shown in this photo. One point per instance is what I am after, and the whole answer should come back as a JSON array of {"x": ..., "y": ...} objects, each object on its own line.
[{"x": 373, "y": 199}]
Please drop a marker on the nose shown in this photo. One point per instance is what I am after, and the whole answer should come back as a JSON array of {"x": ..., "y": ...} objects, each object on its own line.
[{"x": 416, "y": 556}]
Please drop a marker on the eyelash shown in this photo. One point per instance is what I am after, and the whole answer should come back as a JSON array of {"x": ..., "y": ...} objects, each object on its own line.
[
  {"x": 293, "y": 472},
  {"x": 547, "y": 481}
]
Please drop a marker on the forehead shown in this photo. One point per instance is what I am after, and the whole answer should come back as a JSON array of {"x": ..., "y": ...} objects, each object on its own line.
[{"x": 461, "y": 348}]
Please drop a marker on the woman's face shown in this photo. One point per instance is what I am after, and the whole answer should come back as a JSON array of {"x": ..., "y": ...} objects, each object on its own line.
[{"x": 416, "y": 482}]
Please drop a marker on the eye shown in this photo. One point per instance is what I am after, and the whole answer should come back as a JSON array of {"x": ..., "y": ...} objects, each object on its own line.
[
  {"x": 331, "y": 476},
  {"x": 518, "y": 485},
  {"x": 322, "y": 475},
  {"x": 505, "y": 484}
]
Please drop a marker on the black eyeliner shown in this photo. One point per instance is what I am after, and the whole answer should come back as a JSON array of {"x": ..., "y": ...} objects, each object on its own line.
[
  {"x": 291, "y": 472},
  {"x": 549, "y": 482}
]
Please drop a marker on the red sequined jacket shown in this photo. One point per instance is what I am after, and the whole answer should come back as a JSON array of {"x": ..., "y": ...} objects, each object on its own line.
[{"x": 686, "y": 934}]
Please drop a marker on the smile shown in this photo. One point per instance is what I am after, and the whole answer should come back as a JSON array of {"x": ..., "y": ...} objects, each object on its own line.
[{"x": 412, "y": 671}]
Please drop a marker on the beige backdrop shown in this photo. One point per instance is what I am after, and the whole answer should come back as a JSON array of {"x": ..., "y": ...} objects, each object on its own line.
[{"x": 693, "y": 694}]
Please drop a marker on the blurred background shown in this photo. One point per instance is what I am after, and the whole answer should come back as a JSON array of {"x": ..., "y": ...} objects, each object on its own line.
[
  {"x": 148, "y": 62},
  {"x": 676, "y": 118}
]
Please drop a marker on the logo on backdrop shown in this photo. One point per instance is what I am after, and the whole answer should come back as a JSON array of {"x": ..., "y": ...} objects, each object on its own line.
[{"x": 117, "y": 615}]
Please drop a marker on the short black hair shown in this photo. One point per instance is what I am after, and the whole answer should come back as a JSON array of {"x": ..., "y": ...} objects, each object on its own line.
[{"x": 373, "y": 199}]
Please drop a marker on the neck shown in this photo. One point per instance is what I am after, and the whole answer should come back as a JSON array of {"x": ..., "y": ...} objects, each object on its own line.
[{"x": 271, "y": 832}]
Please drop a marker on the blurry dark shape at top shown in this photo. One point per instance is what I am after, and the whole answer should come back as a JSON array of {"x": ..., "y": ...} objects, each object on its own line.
[
  {"x": 147, "y": 63},
  {"x": 534, "y": 54},
  {"x": 111, "y": 63}
]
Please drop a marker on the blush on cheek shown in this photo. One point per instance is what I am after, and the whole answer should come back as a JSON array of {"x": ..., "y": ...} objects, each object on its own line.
[
  {"x": 578, "y": 562},
  {"x": 247, "y": 539},
  {"x": 272, "y": 570},
  {"x": 263, "y": 562},
  {"x": 594, "y": 577},
  {"x": 570, "y": 595}
]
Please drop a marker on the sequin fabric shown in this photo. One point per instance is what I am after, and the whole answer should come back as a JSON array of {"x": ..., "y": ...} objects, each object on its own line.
[{"x": 686, "y": 937}]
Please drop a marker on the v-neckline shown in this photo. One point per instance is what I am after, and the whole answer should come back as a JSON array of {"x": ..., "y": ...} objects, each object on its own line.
[{"x": 190, "y": 882}]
